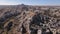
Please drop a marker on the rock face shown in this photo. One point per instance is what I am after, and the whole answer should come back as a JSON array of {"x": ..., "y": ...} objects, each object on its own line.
[{"x": 24, "y": 19}]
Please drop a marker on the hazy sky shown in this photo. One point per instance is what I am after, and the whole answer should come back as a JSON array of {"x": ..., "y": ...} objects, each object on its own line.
[{"x": 30, "y": 2}]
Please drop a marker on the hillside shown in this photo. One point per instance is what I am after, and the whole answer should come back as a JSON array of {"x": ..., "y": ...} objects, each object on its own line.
[{"x": 28, "y": 19}]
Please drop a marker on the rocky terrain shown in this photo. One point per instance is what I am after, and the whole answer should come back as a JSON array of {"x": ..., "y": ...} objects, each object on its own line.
[{"x": 26, "y": 19}]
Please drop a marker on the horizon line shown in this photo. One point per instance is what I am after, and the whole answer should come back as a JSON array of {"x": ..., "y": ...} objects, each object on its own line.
[{"x": 30, "y": 4}]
